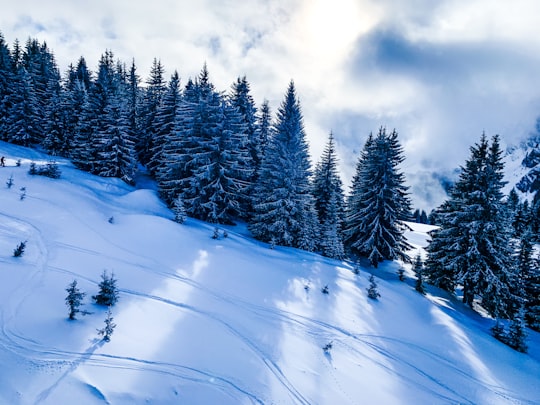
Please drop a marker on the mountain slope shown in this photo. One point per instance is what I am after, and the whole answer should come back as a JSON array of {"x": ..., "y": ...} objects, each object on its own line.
[{"x": 228, "y": 321}]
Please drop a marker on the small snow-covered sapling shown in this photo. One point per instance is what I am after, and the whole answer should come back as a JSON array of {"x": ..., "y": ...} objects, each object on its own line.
[
  {"x": 9, "y": 181},
  {"x": 19, "y": 250},
  {"x": 107, "y": 331},
  {"x": 324, "y": 290},
  {"x": 327, "y": 347}
]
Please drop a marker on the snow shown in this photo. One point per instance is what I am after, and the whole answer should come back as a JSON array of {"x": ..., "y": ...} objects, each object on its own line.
[{"x": 226, "y": 321}]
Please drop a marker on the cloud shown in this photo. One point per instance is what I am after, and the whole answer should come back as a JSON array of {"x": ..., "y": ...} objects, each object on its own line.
[{"x": 440, "y": 72}]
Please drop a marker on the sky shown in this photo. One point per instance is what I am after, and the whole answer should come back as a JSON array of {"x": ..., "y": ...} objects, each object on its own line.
[{"x": 439, "y": 72}]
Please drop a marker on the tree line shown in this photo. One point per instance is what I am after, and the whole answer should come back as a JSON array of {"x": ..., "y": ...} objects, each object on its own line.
[
  {"x": 218, "y": 157},
  {"x": 215, "y": 155}
]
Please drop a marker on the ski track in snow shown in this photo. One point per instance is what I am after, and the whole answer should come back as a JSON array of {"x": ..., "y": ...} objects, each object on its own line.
[
  {"x": 291, "y": 319},
  {"x": 36, "y": 351}
]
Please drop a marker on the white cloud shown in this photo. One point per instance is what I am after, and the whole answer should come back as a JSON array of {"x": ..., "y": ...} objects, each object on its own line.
[{"x": 440, "y": 72}]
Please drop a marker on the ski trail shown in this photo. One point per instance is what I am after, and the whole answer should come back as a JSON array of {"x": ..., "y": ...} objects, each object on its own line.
[
  {"x": 74, "y": 365},
  {"x": 271, "y": 365},
  {"x": 317, "y": 327},
  {"x": 31, "y": 278}
]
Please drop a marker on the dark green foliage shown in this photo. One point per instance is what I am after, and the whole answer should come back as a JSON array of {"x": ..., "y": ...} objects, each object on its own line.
[
  {"x": 284, "y": 212},
  {"x": 329, "y": 202},
  {"x": 108, "y": 291},
  {"x": 515, "y": 336},
  {"x": 179, "y": 210},
  {"x": 420, "y": 217},
  {"x": 418, "y": 268},
  {"x": 9, "y": 182},
  {"x": 50, "y": 169},
  {"x": 529, "y": 279},
  {"x": 108, "y": 329},
  {"x": 74, "y": 299},
  {"x": 379, "y": 202},
  {"x": 19, "y": 250},
  {"x": 472, "y": 246},
  {"x": 372, "y": 290}
]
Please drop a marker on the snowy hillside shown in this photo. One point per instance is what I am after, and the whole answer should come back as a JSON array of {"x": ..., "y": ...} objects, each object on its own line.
[{"x": 220, "y": 321}]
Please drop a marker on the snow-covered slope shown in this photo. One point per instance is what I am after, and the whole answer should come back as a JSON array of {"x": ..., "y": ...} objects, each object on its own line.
[{"x": 226, "y": 321}]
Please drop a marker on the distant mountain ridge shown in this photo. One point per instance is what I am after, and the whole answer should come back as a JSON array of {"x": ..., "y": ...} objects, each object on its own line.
[{"x": 530, "y": 182}]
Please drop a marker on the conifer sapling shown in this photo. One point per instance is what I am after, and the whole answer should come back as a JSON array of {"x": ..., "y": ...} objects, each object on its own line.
[
  {"x": 108, "y": 329},
  {"x": 108, "y": 291},
  {"x": 74, "y": 299},
  {"x": 372, "y": 291},
  {"x": 9, "y": 182},
  {"x": 19, "y": 250}
]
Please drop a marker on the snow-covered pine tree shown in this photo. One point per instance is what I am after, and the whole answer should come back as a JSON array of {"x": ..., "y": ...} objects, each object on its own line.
[
  {"x": 165, "y": 127},
  {"x": 176, "y": 167},
  {"x": 207, "y": 159},
  {"x": 529, "y": 275},
  {"x": 39, "y": 63},
  {"x": 108, "y": 291},
  {"x": 329, "y": 201},
  {"x": 473, "y": 241},
  {"x": 437, "y": 270},
  {"x": 284, "y": 211},
  {"x": 133, "y": 101},
  {"x": 108, "y": 329},
  {"x": 517, "y": 332},
  {"x": 242, "y": 100},
  {"x": 376, "y": 230},
  {"x": 331, "y": 241},
  {"x": 354, "y": 202},
  {"x": 152, "y": 98},
  {"x": 372, "y": 290},
  {"x": 264, "y": 133},
  {"x": 6, "y": 80},
  {"x": 57, "y": 139},
  {"x": 116, "y": 155},
  {"x": 418, "y": 268},
  {"x": 24, "y": 118},
  {"x": 179, "y": 210},
  {"x": 74, "y": 299}
]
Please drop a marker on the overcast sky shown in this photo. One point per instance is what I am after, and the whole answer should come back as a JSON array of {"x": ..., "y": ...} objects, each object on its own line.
[{"x": 440, "y": 72}]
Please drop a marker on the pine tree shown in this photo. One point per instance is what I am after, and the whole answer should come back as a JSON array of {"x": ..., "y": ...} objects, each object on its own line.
[
  {"x": 329, "y": 201},
  {"x": 179, "y": 210},
  {"x": 418, "y": 268},
  {"x": 376, "y": 225},
  {"x": 206, "y": 156},
  {"x": 372, "y": 290},
  {"x": 165, "y": 128},
  {"x": 116, "y": 155},
  {"x": 241, "y": 100},
  {"x": 74, "y": 299},
  {"x": 19, "y": 250},
  {"x": 517, "y": 333},
  {"x": 331, "y": 242},
  {"x": 6, "y": 81},
  {"x": 473, "y": 243},
  {"x": 108, "y": 291},
  {"x": 152, "y": 98},
  {"x": 108, "y": 330},
  {"x": 284, "y": 211},
  {"x": 24, "y": 119},
  {"x": 529, "y": 276}
]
